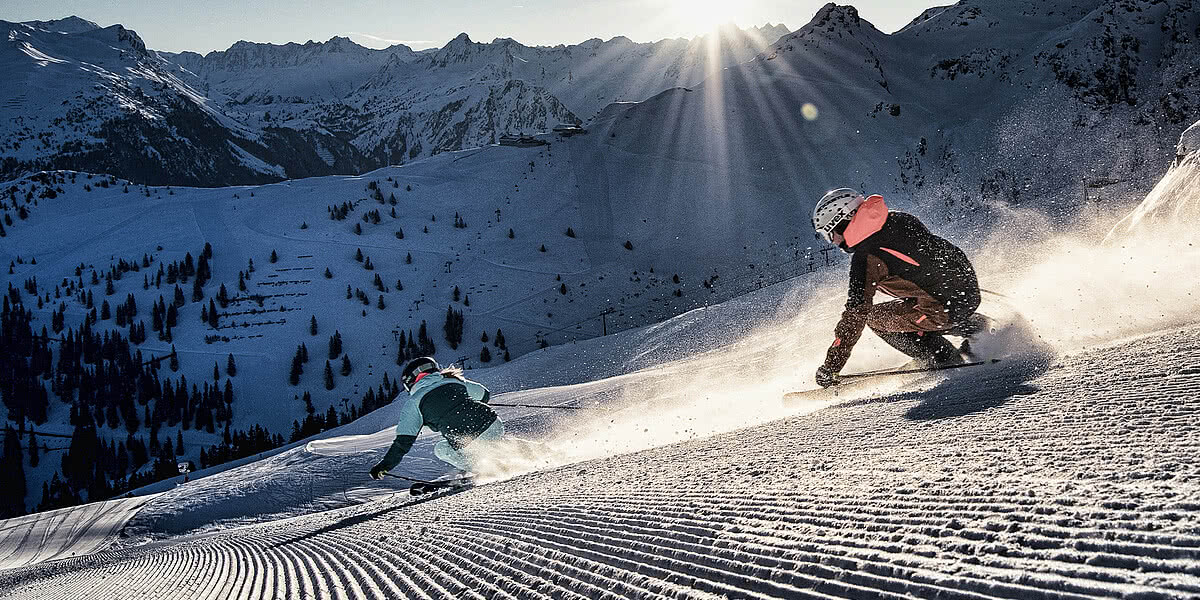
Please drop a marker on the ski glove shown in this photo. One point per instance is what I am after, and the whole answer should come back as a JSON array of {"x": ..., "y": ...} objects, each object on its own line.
[
  {"x": 377, "y": 471},
  {"x": 825, "y": 377}
]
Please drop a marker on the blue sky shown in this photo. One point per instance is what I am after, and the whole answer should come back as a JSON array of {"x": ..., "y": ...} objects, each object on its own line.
[{"x": 207, "y": 25}]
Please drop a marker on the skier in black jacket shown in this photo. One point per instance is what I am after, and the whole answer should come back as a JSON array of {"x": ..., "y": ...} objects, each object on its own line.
[{"x": 893, "y": 252}]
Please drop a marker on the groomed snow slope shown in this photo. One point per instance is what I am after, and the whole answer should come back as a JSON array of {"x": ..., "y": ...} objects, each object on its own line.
[
  {"x": 74, "y": 531},
  {"x": 1080, "y": 480}
]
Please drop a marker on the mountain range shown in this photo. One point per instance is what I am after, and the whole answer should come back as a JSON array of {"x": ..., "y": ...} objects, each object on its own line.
[{"x": 96, "y": 99}]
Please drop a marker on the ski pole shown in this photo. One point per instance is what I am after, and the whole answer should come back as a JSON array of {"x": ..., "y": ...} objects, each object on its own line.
[
  {"x": 406, "y": 478},
  {"x": 548, "y": 406}
]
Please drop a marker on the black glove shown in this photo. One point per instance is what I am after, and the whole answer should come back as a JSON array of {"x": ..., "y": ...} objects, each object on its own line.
[
  {"x": 826, "y": 378},
  {"x": 377, "y": 471}
]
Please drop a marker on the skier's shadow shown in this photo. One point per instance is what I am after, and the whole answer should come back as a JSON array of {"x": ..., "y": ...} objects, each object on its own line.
[
  {"x": 363, "y": 518},
  {"x": 970, "y": 393}
]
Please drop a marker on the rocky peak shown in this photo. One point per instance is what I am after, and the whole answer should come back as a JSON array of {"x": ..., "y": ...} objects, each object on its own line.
[
  {"x": 71, "y": 24},
  {"x": 120, "y": 37},
  {"x": 834, "y": 17}
]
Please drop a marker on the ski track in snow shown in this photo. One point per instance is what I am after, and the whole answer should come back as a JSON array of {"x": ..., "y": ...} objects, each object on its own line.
[{"x": 1076, "y": 480}]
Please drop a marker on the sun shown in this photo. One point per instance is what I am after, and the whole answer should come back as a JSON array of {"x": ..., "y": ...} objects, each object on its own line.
[{"x": 702, "y": 16}]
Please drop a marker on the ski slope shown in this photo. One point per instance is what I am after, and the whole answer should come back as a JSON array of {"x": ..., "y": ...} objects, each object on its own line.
[
  {"x": 66, "y": 532},
  {"x": 1072, "y": 480}
]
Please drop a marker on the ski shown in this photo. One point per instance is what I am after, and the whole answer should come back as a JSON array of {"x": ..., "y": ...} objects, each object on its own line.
[
  {"x": 851, "y": 380},
  {"x": 425, "y": 487},
  {"x": 883, "y": 372}
]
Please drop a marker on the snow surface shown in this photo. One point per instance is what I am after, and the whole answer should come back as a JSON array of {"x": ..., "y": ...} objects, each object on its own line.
[
  {"x": 67, "y": 532},
  {"x": 1077, "y": 479}
]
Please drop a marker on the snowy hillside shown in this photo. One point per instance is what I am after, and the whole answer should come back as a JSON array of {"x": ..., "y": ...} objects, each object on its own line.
[{"x": 374, "y": 259}]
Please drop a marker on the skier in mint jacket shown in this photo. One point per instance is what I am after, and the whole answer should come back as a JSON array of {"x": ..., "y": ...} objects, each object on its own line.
[{"x": 447, "y": 402}]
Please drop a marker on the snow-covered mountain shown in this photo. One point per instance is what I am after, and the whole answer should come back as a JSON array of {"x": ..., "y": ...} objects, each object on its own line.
[
  {"x": 969, "y": 113},
  {"x": 84, "y": 97},
  {"x": 397, "y": 105},
  {"x": 260, "y": 112}
]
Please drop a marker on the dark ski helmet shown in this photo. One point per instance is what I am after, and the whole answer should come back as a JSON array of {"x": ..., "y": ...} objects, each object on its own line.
[{"x": 416, "y": 368}]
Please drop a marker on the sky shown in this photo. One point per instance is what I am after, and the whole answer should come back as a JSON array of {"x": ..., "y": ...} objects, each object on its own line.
[{"x": 175, "y": 26}]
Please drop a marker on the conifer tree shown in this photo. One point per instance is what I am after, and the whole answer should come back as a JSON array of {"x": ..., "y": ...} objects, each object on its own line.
[
  {"x": 297, "y": 369},
  {"x": 335, "y": 345},
  {"x": 312, "y": 325},
  {"x": 230, "y": 366},
  {"x": 328, "y": 376},
  {"x": 345, "y": 365},
  {"x": 213, "y": 318},
  {"x": 274, "y": 257},
  {"x": 34, "y": 456}
]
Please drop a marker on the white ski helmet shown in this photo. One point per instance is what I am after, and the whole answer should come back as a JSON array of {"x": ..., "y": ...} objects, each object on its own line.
[{"x": 836, "y": 206}]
